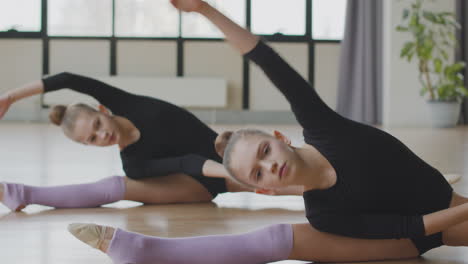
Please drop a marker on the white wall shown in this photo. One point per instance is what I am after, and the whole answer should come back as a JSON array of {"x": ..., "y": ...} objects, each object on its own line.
[
  {"x": 216, "y": 59},
  {"x": 21, "y": 62},
  {"x": 327, "y": 59},
  {"x": 80, "y": 56},
  {"x": 146, "y": 58},
  {"x": 403, "y": 106},
  {"x": 263, "y": 94}
]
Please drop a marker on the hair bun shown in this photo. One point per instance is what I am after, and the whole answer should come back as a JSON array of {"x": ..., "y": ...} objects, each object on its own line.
[
  {"x": 57, "y": 113},
  {"x": 221, "y": 142}
]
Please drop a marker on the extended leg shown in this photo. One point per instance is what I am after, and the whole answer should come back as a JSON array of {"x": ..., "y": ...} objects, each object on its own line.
[
  {"x": 108, "y": 190},
  {"x": 272, "y": 243}
]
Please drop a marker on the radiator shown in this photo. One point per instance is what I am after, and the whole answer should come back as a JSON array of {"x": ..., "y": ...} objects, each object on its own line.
[{"x": 182, "y": 91}]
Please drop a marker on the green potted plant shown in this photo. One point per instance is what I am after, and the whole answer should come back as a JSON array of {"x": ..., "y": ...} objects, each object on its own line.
[{"x": 433, "y": 41}]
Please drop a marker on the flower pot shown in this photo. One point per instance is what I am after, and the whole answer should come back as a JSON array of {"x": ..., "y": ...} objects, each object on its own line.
[{"x": 444, "y": 113}]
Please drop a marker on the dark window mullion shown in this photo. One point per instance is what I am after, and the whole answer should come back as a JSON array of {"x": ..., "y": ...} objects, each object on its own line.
[
  {"x": 180, "y": 49},
  {"x": 45, "y": 44},
  {"x": 19, "y": 34},
  {"x": 113, "y": 45},
  {"x": 245, "y": 62},
  {"x": 45, "y": 37},
  {"x": 311, "y": 42}
]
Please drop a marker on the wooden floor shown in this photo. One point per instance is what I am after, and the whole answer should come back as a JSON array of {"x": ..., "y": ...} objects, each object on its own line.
[{"x": 39, "y": 154}]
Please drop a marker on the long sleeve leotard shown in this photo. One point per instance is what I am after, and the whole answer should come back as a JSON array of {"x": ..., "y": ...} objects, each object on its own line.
[
  {"x": 172, "y": 139},
  {"x": 383, "y": 189}
]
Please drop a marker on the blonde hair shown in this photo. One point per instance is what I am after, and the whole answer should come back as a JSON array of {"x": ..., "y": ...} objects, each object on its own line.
[
  {"x": 65, "y": 116},
  {"x": 225, "y": 143}
]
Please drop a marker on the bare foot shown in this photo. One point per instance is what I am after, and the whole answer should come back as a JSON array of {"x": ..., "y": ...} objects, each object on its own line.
[{"x": 96, "y": 236}]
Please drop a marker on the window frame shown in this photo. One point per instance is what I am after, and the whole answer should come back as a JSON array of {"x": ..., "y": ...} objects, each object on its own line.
[{"x": 113, "y": 39}]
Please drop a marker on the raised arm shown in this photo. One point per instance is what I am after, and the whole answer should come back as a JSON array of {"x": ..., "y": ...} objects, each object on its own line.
[
  {"x": 240, "y": 38},
  {"x": 309, "y": 109},
  {"x": 105, "y": 94},
  {"x": 390, "y": 226},
  {"x": 190, "y": 164},
  {"x": 27, "y": 90}
]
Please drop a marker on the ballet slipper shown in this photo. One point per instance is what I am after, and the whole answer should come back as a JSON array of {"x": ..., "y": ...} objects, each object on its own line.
[{"x": 91, "y": 234}]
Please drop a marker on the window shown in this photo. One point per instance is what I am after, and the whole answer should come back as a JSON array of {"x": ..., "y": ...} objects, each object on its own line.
[
  {"x": 196, "y": 26},
  {"x": 278, "y": 16},
  {"x": 80, "y": 17},
  {"x": 20, "y": 15},
  {"x": 146, "y": 18},
  {"x": 328, "y": 19}
]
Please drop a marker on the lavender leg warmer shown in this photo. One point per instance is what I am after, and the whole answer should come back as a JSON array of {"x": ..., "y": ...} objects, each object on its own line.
[
  {"x": 273, "y": 243},
  {"x": 87, "y": 195}
]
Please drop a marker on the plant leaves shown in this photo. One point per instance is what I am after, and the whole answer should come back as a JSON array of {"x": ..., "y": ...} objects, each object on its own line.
[
  {"x": 437, "y": 65},
  {"x": 402, "y": 28},
  {"x": 407, "y": 48},
  {"x": 431, "y": 17}
]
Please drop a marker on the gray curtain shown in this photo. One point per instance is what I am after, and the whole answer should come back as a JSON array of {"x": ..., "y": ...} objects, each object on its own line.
[
  {"x": 462, "y": 16},
  {"x": 360, "y": 73}
]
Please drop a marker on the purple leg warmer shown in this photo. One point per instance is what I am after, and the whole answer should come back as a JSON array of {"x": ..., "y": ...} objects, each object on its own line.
[
  {"x": 87, "y": 195},
  {"x": 273, "y": 243}
]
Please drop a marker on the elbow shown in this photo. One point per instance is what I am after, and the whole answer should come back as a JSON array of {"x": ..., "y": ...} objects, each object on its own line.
[{"x": 66, "y": 75}]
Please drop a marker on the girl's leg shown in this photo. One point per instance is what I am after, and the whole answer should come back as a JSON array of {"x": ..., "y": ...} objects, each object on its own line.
[
  {"x": 107, "y": 190},
  {"x": 273, "y": 243},
  {"x": 456, "y": 235},
  {"x": 269, "y": 244},
  {"x": 313, "y": 245},
  {"x": 177, "y": 188}
]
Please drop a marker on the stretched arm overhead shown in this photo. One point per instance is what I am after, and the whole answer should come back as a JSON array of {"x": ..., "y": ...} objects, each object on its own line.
[
  {"x": 27, "y": 90},
  {"x": 107, "y": 95},
  {"x": 310, "y": 110},
  {"x": 238, "y": 37}
]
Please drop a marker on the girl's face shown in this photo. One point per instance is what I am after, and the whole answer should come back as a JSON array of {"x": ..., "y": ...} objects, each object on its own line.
[
  {"x": 96, "y": 129},
  {"x": 265, "y": 161}
]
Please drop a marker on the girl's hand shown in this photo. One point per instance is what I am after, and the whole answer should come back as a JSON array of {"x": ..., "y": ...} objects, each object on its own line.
[
  {"x": 187, "y": 5},
  {"x": 5, "y": 102}
]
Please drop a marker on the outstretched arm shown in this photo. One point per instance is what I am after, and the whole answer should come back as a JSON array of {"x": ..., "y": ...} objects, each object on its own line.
[
  {"x": 27, "y": 90},
  {"x": 110, "y": 96},
  {"x": 107, "y": 95},
  {"x": 190, "y": 164},
  {"x": 240, "y": 38},
  {"x": 309, "y": 109},
  {"x": 442, "y": 220},
  {"x": 380, "y": 226}
]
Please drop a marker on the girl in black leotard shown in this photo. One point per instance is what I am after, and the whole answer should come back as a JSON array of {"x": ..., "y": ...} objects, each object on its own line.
[
  {"x": 165, "y": 142},
  {"x": 166, "y": 151},
  {"x": 360, "y": 182}
]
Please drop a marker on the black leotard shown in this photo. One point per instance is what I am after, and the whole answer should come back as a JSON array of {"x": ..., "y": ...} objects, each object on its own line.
[
  {"x": 172, "y": 139},
  {"x": 382, "y": 187}
]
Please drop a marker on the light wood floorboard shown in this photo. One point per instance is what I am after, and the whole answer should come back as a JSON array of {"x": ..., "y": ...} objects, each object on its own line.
[{"x": 39, "y": 154}]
